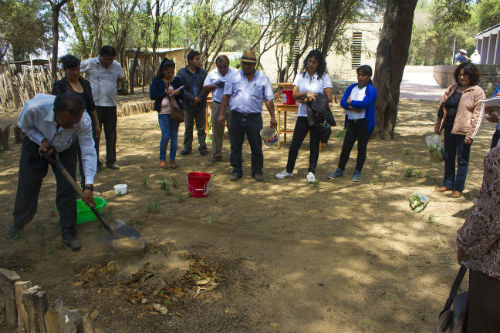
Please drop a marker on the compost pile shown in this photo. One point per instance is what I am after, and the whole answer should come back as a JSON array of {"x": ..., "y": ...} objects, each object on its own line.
[{"x": 147, "y": 292}]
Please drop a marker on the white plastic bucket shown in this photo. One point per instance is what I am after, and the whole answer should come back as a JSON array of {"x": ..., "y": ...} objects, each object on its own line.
[{"x": 121, "y": 189}]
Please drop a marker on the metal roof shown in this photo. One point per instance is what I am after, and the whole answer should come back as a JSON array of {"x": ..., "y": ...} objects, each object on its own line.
[{"x": 494, "y": 30}]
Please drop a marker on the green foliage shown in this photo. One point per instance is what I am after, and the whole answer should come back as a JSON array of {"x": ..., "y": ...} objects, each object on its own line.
[
  {"x": 24, "y": 27},
  {"x": 486, "y": 14},
  {"x": 439, "y": 22}
]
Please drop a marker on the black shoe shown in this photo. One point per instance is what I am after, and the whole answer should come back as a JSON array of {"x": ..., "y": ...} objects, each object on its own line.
[
  {"x": 185, "y": 152},
  {"x": 13, "y": 231},
  {"x": 203, "y": 151},
  {"x": 259, "y": 177},
  {"x": 216, "y": 159},
  {"x": 235, "y": 176},
  {"x": 73, "y": 243},
  {"x": 113, "y": 166}
]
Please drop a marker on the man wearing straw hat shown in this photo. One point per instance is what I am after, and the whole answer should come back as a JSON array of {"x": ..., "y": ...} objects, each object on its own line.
[{"x": 245, "y": 92}]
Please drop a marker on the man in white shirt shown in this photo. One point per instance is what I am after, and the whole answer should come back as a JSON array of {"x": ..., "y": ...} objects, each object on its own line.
[
  {"x": 245, "y": 92},
  {"x": 215, "y": 82},
  {"x": 104, "y": 73},
  {"x": 53, "y": 125}
]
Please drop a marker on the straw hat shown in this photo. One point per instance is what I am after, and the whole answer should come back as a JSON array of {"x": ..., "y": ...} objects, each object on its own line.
[{"x": 249, "y": 56}]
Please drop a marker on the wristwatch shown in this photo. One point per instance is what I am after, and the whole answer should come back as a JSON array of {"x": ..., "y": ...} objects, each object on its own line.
[{"x": 89, "y": 187}]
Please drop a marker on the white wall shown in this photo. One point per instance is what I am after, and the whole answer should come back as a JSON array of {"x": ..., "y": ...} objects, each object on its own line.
[{"x": 339, "y": 65}]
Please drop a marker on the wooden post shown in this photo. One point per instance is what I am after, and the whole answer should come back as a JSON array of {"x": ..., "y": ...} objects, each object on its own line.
[
  {"x": 7, "y": 296},
  {"x": 22, "y": 315},
  {"x": 19, "y": 135},
  {"x": 35, "y": 303},
  {"x": 4, "y": 137},
  {"x": 32, "y": 75}
]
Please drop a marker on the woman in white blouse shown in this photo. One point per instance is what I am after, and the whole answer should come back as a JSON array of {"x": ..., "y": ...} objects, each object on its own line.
[{"x": 307, "y": 85}]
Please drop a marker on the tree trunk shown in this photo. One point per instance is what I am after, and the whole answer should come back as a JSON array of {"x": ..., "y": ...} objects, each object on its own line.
[
  {"x": 56, "y": 10},
  {"x": 392, "y": 54},
  {"x": 55, "y": 41},
  {"x": 156, "y": 34},
  {"x": 132, "y": 71}
]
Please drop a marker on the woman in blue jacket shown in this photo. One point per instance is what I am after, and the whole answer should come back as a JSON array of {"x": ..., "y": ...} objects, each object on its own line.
[
  {"x": 359, "y": 104},
  {"x": 166, "y": 90}
]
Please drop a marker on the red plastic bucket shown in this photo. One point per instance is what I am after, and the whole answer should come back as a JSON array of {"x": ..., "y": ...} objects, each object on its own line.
[
  {"x": 288, "y": 97},
  {"x": 198, "y": 183}
]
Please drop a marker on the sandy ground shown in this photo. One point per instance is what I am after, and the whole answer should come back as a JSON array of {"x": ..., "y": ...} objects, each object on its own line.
[{"x": 294, "y": 257}]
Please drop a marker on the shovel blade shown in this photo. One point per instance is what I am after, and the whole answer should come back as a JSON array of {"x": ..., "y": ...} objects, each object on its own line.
[{"x": 126, "y": 236}]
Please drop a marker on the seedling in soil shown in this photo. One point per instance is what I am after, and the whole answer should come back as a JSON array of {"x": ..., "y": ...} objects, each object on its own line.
[
  {"x": 164, "y": 183},
  {"x": 174, "y": 183},
  {"x": 407, "y": 151},
  {"x": 340, "y": 134},
  {"x": 380, "y": 176},
  {"x": 153, "y": 207},
  {"x": 181, "y": 198},
  {"x": 145, "y": 182},
  {"x": 431, "y": 218},
  {"x": 409, "y": 172},
  {"x": 419, "y": 174},
  {"x": 435, "y": 244},
  {"x": 427, "y": 174},
  {"x": 315, "y": 184}
]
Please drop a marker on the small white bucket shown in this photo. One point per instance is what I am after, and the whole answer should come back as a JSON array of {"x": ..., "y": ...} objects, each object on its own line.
[{"x": 121, "y": 189}]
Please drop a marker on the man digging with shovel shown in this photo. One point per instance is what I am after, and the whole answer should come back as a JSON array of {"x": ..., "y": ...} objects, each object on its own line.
[{"x": 53, "y": 125}]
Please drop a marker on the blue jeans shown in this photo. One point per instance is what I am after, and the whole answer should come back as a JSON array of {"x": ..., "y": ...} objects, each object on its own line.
[
  {"x": 453, "y": 144},
  {"x": 168, "y": 132},
  {"x": 249, "y": 124}
]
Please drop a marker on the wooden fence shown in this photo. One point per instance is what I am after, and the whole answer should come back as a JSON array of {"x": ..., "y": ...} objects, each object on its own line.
[
  {"x": 15, "y": 89},
  {"x": 26, "y": 308}
]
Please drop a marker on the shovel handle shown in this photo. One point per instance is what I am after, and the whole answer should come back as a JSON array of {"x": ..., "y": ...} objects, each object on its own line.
[{"x": 78, "y": 190}]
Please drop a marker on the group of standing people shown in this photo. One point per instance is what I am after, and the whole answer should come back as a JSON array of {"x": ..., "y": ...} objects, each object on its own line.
[{"x": 237, "y": 98}]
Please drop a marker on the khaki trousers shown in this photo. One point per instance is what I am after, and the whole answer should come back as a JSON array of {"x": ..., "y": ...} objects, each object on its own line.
[{"x": 218, "y": 130}]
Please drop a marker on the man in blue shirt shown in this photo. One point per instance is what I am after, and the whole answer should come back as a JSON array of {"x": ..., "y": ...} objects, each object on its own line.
[
  {"x": 245, "y": 92},
  {"x": 53, "y": 124}
]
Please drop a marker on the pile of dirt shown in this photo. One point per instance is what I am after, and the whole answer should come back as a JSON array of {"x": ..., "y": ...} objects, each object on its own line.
[{"x": 158, "y": 283}]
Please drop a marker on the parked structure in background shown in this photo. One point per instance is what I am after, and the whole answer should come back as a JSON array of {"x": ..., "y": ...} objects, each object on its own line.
[{"x": 488, "y": 44}]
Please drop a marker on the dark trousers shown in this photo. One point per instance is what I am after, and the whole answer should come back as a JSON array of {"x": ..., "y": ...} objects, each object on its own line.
[
  {"x": 107, "y": 119},
  {"x": 79, "y": 153},
  {"x": 249, "y": 124},
  {"x": 453, "y": 144},
  {"x": 299, "y": 134},
  {"x": 32, "y": 169},
  {"x": 192, "y": 114},
  {"x": 484, "y": 303},
  {"x": 494, "y": 139},
  {"x": 356, "y": 130}
]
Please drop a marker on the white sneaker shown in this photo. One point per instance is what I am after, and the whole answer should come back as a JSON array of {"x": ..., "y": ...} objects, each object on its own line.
[
  {"x": 283, "y": 174},
  {"x": 310, "y": 177}
]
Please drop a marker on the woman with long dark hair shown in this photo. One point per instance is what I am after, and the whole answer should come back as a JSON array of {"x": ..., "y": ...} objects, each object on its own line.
[
  {"x": 166, "y": 91},
  {"x": 459, "y": 115},
  {"x": 359, "y": 105},
  {"x": 307, "y": 85},
  {"x": 73, "y": 83}
]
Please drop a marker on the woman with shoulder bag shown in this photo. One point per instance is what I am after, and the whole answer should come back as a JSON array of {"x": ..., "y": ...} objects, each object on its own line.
[
  {"x": 166, "y": 90},
  {"x": 460, "y": 115},
  {"x": 312, "y": 82},
  {"x": 478, "y": 244}
]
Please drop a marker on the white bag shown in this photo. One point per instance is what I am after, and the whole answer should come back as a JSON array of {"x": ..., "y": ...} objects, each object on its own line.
[{"x": 435, "y": 147}]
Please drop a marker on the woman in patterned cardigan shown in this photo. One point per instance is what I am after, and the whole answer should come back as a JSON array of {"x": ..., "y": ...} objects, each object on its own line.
[{"x": 478, "y": 242}]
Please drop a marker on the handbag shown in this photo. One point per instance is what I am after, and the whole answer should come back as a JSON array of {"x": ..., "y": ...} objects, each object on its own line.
[
  {"x": 453, "y": 321},
  {"x": 176, "y": 114}
]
